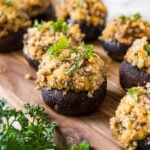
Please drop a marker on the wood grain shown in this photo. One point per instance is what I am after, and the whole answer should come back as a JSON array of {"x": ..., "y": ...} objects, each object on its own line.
[{"x": 93, "y": 128}]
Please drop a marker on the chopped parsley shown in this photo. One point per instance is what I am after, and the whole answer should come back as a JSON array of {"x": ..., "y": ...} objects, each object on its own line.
[
  {"x": 133, "y": 92},
  {"x": 38, "y": 25},
  {"x": 59, "y": 26},
  {"x": 147, "y": 48},
  {"x": 8, "y": 3},
  {"x": 126, "y": 18},
  {"x": 83, "y": 146},
  {"x": 56, "y": 48},
  {"x": 89, "y": 52}
]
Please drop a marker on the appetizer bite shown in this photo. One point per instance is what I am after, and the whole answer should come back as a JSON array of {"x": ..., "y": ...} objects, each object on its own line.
[
  {"x": 72, "y": 79},
  {"x": 13, "y": 24},
  {"x": 40, "y": 37},
  {"x": 89, "y": 14},
  {"x": 36, "y": 9},
  {"x": 120, "y": 33},
  {"x": 135, "y": 68},
  {"x": 131, "y": 123}
]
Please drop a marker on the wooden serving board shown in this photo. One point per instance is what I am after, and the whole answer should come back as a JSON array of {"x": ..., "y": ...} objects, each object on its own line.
[{"x": 94, "y": 128}]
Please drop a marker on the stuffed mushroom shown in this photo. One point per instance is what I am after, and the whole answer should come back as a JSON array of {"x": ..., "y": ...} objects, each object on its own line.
[
  {"x": 135, "y": 68},
  {"x": 36, "y": 9},
  {"x": 40, "y": 37},
  {"x": 120, "y": 33},
  {"x": 89, "y": 14},
  {"x": 131, "y": 123},
  {"x": 13, "y": 24},
  {"x": 72, "y": 79}
]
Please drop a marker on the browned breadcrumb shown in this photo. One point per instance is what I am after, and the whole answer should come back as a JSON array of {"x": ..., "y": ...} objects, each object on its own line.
[
  {"x": 132, "y": 118},
  {"x": 3, "y": 70},
  {"x": 138, "y": 56},
  {"x": 28, "y": 76},
  {"x": 83, "y": 11},
  {"x": 12, "y": 20},
  {"x": 127, "y": 31}
]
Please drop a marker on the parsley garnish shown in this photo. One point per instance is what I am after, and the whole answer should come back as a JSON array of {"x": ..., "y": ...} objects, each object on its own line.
[
  {"x": 126, "y": 18},
  {"x": 83, "y": 146},
  {"x": 8, "y": 3},
  {"x": 34, "y": 131},
  {"x": 38, "y": 25},
  {"x": 89, "y": 52},
  {"x": 133, "y": 92},
  {"x": 55, "y": 50},
  {"x": 147, "y": 48},
  {"x": 59, "y": 26}
]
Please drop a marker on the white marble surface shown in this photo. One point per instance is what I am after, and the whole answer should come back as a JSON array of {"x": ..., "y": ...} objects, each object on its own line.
[{"x": 128, "y": 7}]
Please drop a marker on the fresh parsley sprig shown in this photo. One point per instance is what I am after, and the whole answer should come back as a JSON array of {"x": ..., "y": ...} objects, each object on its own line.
[
  {"x": 59, "y": 26},
  {"x": 133, "y": 92},
  {"x": 83, "y": 146},
  {"x": 56, "y": 48},
  {"x": 27, "y": 130}
]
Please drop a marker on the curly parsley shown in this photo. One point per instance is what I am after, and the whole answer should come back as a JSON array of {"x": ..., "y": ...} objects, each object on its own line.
[
  {"x": 83, "y": 146},
  {"x": 38, "y": 25},
  {"x": 147, "y": 48},
  {"x": 8, "y": 3},
  {"x": 34, "y": 132}
]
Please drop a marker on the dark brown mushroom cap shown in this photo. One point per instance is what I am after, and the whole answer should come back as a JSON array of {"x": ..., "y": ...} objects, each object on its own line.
[
  {"x": 91, "y": 32},
  {"x": 11, "y": 42},
  {"x": 74, "y": 103},
  {"x": 144, "y": 144},
  {"x": 48, "y": 14},
  {"x": 131, "y": 76},
  {"x": 32, "y": 62},
  {"x": 115, "y": 49}
]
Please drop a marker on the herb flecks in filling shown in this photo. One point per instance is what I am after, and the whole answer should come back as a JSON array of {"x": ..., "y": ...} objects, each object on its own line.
[{"x": 71, "y": 68}]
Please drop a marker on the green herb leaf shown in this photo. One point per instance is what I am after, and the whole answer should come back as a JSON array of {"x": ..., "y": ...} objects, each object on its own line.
[
  {"x": 137, "y": 16},
  {"x": 55, "y": 50},
  {"x": 38, "y": 25},
  {"x": 83, "y": 146},
  {"x": 126, "y": 18},
  {"x": 89, "y": 52},
  {"x": 33, "y": 132},
  {"x": 133, "y": 92},
  {"x": 8, "y": 3},
  {"x": 147, "y": 48},
  {"x": 59, "y": 26},
  {"x": 73, "y": 68}
]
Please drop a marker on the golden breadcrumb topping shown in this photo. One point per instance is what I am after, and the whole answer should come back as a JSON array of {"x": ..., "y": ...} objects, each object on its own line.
[
  {"x": 37, "y": 41},
  {"x": 126, "y": 29},
  {"x": 139, "y": 54},
  {"x": 70, "y": 70},
  {"x": 83, "y": 11},
  {"x": 132, "y": 118},
  {"x": 32, "y": 7},
  {"x": 12, "y": 20}
]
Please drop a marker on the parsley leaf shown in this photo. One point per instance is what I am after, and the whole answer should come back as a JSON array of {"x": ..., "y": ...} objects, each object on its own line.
[
  {"x": 38, "y": 25},
  {"x": 33, "y": 131},
  {"x": 83, "y": 146},
  {"x": 147, "y": 48},
  {"x": 89, "y": 52},
  {"x": 59, "y": 26},
  {"x": 133, "y": 92},
  {"x": 8, "y": 3},
  {"x": 56, "y": 48},
  {"x": 126, "y": 18}
]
